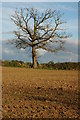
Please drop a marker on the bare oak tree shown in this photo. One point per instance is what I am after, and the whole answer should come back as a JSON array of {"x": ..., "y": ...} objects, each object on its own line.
[{"x": 39, "y": 30}]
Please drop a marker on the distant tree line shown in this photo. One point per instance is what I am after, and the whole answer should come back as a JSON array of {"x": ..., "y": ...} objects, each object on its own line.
[
  {"x": 16, "y": 63},
  {"x": 49, "y": 65},
  {"x": 61, "y": 66}
]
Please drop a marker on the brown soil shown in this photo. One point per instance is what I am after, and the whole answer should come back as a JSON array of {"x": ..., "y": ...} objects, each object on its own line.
[{"x": 29, "y": 93}]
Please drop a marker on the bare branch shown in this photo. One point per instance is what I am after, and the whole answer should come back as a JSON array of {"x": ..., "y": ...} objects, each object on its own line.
[
  {"x": 38, "y": 30},
  {"x": 18, "y": 20}
]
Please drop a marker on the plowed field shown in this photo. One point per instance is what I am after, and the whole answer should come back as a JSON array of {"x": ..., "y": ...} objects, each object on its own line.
[{"x": 34, "y": 93}]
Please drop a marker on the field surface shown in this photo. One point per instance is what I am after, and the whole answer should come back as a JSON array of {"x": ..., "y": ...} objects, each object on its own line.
[{"x": 29, "y": 93}]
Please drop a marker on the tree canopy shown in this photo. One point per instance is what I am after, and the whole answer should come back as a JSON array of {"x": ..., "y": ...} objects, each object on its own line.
[{"x": 39, "y": 31}]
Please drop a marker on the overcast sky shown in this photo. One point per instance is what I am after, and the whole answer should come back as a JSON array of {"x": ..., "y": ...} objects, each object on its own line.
[
  {"x": 70, "y": 10},
  {"x": 39, "y": 0}
]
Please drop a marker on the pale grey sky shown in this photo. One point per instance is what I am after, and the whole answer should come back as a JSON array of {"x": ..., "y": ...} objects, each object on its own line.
[{"x": 39, "y": 0}]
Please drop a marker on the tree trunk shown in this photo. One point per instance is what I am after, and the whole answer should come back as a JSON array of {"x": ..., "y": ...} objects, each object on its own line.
[
  {"x": 33, "y": 47},
  {"x": 34, "y": 57}
]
